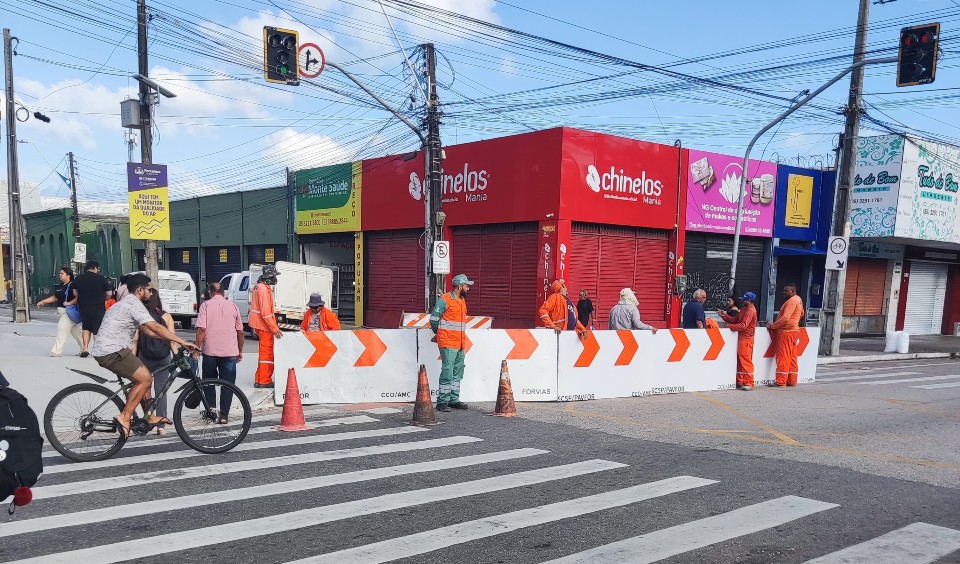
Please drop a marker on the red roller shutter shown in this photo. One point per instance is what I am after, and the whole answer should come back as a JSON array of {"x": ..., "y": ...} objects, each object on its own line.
[
  {"x": 395, "y": 276},
  {"x": 866, "y": 288}
]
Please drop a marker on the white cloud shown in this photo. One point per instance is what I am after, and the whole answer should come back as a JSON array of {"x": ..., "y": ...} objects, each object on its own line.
[{"x": 305, "y": 150}]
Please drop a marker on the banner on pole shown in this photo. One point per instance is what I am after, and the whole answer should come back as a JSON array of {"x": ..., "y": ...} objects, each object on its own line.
[{"x": 149, "y": 201}]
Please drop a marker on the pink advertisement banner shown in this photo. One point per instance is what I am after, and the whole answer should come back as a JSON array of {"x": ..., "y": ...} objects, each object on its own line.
[{"x": 712, "y": 189}]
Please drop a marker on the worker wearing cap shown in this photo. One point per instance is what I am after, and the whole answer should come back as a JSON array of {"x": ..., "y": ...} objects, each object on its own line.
[
  {"x": 745, "y": 324},
  {"x": 449, "y": 321},
  {"x": 263, "y": 320},
  {"x": 318, "y": 317},
  {"x": 558, "y": 313}
]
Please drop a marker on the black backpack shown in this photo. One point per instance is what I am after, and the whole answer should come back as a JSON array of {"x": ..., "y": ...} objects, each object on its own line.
[
  {"x": 21, "y": 444},
  {"x": 150, "y": 347}
]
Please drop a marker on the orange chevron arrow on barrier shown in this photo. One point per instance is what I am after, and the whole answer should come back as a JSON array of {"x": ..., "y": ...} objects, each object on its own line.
[
  {"x": 325, "y": 349},
  {"x": 681, "y": 346},
  {"x": 590, "y": 349},
  {"x": 373, "y": 347},
  {"x": 804, "y": 341},
  {"x": 716, "y": 344},
  {"x": 772, "y": 349},
  {"x": 524, "y": 344},
  {"x": 630, "y": 348}
]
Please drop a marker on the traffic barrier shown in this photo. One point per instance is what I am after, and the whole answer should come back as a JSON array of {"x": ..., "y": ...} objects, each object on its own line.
[
  {"x": 505, "y": 407},
  {"x": 423, "y": 412},
  {"x": 765, "y": 361},
  {"x": 422, "y": 321},
  {"x": 292, "y": 418}
]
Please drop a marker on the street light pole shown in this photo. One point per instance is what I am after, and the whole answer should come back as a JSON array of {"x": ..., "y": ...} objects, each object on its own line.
[
  {"x": 146, "y": 139},
  {"x": 18, "y": 247}
]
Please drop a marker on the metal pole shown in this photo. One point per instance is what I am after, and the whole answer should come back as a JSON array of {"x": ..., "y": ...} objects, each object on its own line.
[
  {"x": 21, "y": 310},
  {"x": 146, "y": 139},
  {"x": 434, "y": 178},
  {"x": 73, "y": 200},
  {"x": 836, "y": 279},
  {"x": 781, "y": 117}
]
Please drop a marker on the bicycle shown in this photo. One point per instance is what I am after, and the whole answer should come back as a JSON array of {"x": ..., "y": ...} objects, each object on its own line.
[{"x": 79, "y": 420}]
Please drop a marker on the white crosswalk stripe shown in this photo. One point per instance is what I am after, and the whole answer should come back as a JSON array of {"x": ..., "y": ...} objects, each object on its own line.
[
  {"x": 864, "y": 377},
  {"x": 937, "y": 386},
  {"x": 918, "y": 543},
  {"x": 909, "y": 380}
]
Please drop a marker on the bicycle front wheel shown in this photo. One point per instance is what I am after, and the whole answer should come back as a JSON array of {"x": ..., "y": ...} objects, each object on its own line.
[
  {"x": 79, "y": 422},
  {"x": 199, "y": 427}
]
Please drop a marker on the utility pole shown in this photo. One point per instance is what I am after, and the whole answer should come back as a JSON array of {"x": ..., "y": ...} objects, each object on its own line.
[
  {"x": 18, "y": 251},
  {"x": 146, "y": 134},
  {"x": 433, "y": 180},
  {"x": 837, "y": 279},
  {"x": 73, "y": 200}
]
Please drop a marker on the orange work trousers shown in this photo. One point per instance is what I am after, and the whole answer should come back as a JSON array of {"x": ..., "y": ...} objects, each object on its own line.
[
  {"x": 265, "y": 361},
  {"x": 745, "y": 362},
  {"x": 788, "y": 371}
]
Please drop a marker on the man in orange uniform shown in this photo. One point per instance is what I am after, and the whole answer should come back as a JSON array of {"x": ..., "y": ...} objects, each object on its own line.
[
  {"x": 745, "y": 324},
  {"x": 787, "y": 327},
  {"x": 449, "y": 321},
  {"x": 558, "y": 312},
  {"x": 318, "y": 317},
  {"x": 263, "y": 320}
]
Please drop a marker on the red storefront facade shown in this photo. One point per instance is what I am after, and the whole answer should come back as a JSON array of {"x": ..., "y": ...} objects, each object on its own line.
[{"x": 599, "y": 211}]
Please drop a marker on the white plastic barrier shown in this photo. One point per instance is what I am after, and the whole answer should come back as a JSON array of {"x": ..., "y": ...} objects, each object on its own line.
[{"x": 765, "y": 362}]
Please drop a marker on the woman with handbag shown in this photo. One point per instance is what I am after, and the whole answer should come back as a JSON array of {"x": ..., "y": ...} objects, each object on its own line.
[
  {"x": 155, "y": 353},
  {"x": 69, "y": 323}
]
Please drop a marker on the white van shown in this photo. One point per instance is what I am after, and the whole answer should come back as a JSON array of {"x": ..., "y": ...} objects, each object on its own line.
[
  {"x": 178, "y": 292},
  {"x": 236, "y": 288},
  {"x": 295, "y": 283}
]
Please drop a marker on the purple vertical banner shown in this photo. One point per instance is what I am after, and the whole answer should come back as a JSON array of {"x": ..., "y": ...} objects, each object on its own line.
[{"x": 712, "y": 189}]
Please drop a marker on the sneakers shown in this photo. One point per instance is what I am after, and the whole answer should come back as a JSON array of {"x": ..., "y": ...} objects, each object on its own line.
[
  {"x": 459, "y": 405},
  {"x": 746, "y": 388},
  {"x": 270, "y": 385},
  {"x": 443, "y": 407},
  {"x": 84, "y": 354}
]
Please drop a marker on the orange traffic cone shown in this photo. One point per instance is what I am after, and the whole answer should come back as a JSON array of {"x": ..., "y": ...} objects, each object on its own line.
[
  {"x": 505, "y": 405},
  {"x": 292, "y": 419},
  {"x": 423, "y": 413}
]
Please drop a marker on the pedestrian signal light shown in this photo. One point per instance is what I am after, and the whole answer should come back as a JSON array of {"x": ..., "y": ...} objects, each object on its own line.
[
  {"x": 917, "y": 59},
  {"x": 280, "y": 55}
]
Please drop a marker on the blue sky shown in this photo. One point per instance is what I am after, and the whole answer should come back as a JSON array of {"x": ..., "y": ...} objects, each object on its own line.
[{"x": 227, "y": 130}]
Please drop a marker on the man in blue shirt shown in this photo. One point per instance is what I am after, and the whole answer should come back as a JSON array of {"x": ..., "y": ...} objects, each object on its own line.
[{"x": 693, "y": 315}]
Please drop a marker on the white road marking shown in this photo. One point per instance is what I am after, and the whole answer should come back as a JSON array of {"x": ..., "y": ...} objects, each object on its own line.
[
  {"x": 679, "y": 539},
  {"x": 908, "y": 380},
  {"x": 866, "y": 376},
  {"x": 382, "y": 410},
  {"x": 211, "y": 498},
  {"x": 918, "y": 543},
  {"x": 242, "y": 447},
  {"x": 911, "y": 366},
  {"x": 217, "y": 468},
  {"x": 436, "y": 539},
  {"x": 938, "y": 386},
  {"x": 228, "y": 532}
]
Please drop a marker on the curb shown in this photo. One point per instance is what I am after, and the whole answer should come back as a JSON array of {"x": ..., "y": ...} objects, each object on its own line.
[
  {"x": 260, "y": 399},
  {"x": 882, "y": 357}
]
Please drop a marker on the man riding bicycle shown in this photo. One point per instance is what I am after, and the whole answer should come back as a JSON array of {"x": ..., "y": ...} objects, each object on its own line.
[{"x": 112, "y": 348}]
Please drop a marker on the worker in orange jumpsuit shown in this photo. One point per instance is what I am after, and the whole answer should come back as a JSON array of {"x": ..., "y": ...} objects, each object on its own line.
[
  {"x": 787, "y": 335},
  {"x": 318, "y": 317},
  {"x": 263, "y": 320},
  {"x": 559, "y": 313},
  {"x": 745, "y": 324}
]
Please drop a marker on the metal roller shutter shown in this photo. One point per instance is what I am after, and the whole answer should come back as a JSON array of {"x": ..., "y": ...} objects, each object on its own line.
[
  {"x": 191, "y": 265},
  {"x": 220, "y": 261},
  {"x": 926, "y": 293},
  {"x": 502, "y": 259},
  {"x": 866, "y": 288},
  {"x": 257, "y": 254},
  {"x": 394, "y": 277},
  {"x": 707, "y": 259}
]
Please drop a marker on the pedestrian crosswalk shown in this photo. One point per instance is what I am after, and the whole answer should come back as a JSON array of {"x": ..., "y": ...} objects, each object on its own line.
[
  {"x": 906, "y": 376},
  {"x": 389, "y": 491}
]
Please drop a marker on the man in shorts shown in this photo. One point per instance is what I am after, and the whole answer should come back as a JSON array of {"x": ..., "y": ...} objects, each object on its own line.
[
  {"x": 112, "y": 347},
  {"x": 91, "y": 290}
]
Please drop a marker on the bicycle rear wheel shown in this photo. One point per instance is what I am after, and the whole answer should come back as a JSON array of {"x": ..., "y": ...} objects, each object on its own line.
[
  {"x": 79, "y": 422},
  {"x": 200, "y": 430}
]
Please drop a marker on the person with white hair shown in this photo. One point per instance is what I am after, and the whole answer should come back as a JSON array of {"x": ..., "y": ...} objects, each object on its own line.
[
  {"x": 694, "y": 317},
  {"x": 626, "y": 315}
]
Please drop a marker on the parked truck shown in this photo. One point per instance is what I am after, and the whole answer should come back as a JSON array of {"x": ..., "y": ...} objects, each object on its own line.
[{"x": 295, "y": 283}]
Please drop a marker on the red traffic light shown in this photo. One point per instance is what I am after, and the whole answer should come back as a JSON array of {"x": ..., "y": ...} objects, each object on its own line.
[
  {"x": 909, "y": 40},
  {"x": 926, "y": 37}
]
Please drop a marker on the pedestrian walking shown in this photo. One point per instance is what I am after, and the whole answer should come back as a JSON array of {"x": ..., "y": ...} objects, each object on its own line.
[
  {"x": 733, "y": 306},
  {"x": 745, "y": 325},
  {"x": 91, "y": 290},
  {"x": 155, "y": 353},
  {"x": 263, "y": 320},
  {"x": 318, "y": 317},
  {"x": 626, "y": 314},
  {"x": 69, "y": 315},
  {"x": 122, "y": 287},
  {"x": 449, "y": 321},
  {"x": 786, "y": 333},
  {"x": 220, "y": 339},
  {"x": 694, "y": 317},
  {"x": 558, "y": 313},
  {"x": 585, "y": 310}
]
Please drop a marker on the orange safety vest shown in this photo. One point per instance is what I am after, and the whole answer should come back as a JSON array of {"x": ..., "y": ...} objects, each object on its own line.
[
  {"x": 328, "y": 320},
  {"x": 453, "y": 322},
  {"x": 262, "y": 315}
]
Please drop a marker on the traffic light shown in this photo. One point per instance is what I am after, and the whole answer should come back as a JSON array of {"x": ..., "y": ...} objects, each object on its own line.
[
  {"x": 280, "y": 48},
  {"x": 917, "y": 60}
]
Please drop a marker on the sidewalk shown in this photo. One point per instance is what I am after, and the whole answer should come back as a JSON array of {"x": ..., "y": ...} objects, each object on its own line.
[
  {"x": 25, "y": 362},
  {"x": 870, "y": 349}
]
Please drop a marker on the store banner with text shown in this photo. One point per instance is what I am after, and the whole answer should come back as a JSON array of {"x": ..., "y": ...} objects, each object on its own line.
[
  {"x": 876, "y": 186},
  {"x": 328, "y": 199},
  {"x": 149, "y": 201},
  {"x": 713, "y": 189}
]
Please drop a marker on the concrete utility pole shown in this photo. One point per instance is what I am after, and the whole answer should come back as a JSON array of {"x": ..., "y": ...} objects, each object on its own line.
[
  {"x": 18, "y": 247},
  {"x": 146, "y": 139},
  {"x": 73, "y": 200},
  {"x": 837, "y": 279},
  {"x": 433, "y": 180}
]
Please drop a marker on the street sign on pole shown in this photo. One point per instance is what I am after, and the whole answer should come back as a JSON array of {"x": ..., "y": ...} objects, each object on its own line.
[
  {"x": 441, "y": 257},
  {"x": 79, "y": 253},
  {"x": 837, "y": 253},
  {"x": 310, "y": 60}
]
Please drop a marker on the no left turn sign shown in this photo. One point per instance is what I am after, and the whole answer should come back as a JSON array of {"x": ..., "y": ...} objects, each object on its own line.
[{"x": 310, "y": 60}]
